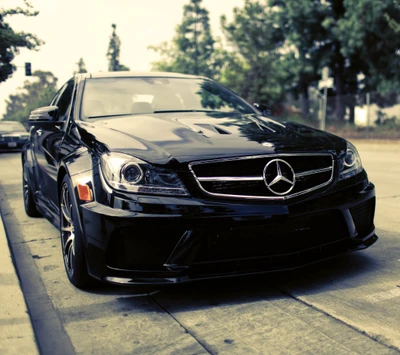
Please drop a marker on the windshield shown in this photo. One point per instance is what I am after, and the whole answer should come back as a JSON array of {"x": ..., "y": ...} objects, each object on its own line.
[
  {"x": 125, "y": 96},
  {"x": 9, "y": 127}
]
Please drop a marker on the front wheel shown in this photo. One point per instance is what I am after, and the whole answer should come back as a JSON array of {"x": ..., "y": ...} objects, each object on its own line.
[
  {"x": 72, "y": 239},
  {"x": 29, "y": 203}
]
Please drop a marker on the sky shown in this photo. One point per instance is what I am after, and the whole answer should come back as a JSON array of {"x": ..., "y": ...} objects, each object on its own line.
[{"x": 74, "y": 29}]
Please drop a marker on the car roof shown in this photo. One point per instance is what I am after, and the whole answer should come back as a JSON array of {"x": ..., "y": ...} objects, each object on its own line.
[{"x": 118, "y": 74}]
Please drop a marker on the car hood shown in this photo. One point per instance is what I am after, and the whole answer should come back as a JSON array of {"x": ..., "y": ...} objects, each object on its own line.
[{"x": 189, "y": 136}]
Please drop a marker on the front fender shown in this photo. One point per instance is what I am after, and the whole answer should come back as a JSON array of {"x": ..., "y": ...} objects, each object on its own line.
[{"x": 78, "y": 166}]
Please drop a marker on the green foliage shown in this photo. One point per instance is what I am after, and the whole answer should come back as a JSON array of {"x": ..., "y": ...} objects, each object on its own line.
[
  {"x": 81, "y": 66},
  {"x": 11, "y": 41},
  {"x": 113, "y": 53},
  {"x": 394, "y": 23},
  {"x": 364, "y": 33},
  {"x": 348, "y": 36},
  {"x": 32, "y": 95},
  {"x": 254, "y": 68},
  {"x": 301, "y": 23},
  {"x": 278, "y": 48},
  {"x": 384, "y": 120},
  {"x": 193, "y": 49}
]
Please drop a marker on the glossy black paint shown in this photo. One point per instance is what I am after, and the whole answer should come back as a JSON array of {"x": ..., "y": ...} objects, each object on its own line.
[
  {"x": 73, "y": 146},
  {"x": 178, "y": 139}
]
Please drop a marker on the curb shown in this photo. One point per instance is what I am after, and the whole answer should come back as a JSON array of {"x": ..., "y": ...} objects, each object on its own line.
[{"x": 16, "y": 330}]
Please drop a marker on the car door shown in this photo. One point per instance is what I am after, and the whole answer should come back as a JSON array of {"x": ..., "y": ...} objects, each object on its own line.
[{"x": 47, "y": 139}]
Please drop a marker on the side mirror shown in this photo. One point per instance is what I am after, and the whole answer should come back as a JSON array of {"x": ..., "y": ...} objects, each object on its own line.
[{"x": 43, "y": 114}]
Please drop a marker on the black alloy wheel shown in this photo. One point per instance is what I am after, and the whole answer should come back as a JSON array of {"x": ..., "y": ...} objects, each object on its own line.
[
  {"x": 71, "y": 239},
  {"x": 29, "y": 203}
]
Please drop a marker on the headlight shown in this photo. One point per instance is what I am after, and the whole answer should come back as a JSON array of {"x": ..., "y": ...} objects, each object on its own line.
[
  {"x": 350, "y": 165},
  {"x": 126, "y": 173}
]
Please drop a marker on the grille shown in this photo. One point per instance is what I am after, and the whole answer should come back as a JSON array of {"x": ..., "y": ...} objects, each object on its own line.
[
  {"x": 245, "y": 177},
  {"x": 269, "y": 263},
  {"x": 11, "y": 139},
  {"x": 282, "y": 237}
]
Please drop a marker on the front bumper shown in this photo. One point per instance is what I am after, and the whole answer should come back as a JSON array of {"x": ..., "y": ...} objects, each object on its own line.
[
  {"x": 170, "y": 240},
  {"x": 12, "y": 144}
]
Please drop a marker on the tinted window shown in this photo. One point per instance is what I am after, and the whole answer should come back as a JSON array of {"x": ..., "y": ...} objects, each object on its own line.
[
  {"x": 64, "y": 100},
  {"x": 119, "y": 96}
]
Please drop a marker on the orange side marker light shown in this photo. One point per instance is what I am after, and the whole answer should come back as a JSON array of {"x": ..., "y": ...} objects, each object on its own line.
[{"x": 85, "y": 193}]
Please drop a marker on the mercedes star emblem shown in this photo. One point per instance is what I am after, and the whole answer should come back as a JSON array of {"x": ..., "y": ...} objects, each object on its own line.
[{"x": 279, "y": 177}]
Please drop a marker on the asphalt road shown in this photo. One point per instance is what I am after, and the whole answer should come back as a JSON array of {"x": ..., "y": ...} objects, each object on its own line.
[{"x": 350, "y": 304}]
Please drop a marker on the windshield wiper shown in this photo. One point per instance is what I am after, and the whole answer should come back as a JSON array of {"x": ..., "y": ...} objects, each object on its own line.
[
  {"x": 167, "y": 111},
  {"x": 112, "y": 115}
]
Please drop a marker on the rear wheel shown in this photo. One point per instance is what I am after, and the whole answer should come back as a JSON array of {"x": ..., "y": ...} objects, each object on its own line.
[
  {"x": 29, "y": 203},
  {"x": 72, "y": 239}
]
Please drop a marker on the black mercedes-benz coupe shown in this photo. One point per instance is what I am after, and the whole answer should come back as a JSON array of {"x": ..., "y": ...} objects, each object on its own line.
[{"x": 162, "y": 178}]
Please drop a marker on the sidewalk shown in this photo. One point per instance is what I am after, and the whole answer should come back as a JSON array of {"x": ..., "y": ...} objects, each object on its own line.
[{"x": 16, "y": 332}]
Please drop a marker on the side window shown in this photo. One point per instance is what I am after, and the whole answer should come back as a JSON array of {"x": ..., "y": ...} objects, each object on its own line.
[
  {"x": 63, "y": 101},
  {"x": 55, "y": 98}
]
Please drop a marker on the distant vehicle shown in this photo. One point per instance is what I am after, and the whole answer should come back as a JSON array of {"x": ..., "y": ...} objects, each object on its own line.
[
  {"x": 162, "y": 178},
  {"x": 13, "y": 135}
]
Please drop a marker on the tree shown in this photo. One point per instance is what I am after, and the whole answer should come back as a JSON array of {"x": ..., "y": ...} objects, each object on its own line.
[
  {"x": 301, "y": 22},
  {"x": 193, "y": 49},
  {"x": 365, "y": 34},
  {"x": 81, "y": 66},
  {"x": 255, "y": 68},
  {"x": 395, "y": 25},
  {"x": 32, "y": 95},
  {"x": 11, "y": 41},
  {"x": 113, "y": 52},
  {"x": 348, "y": 36}
]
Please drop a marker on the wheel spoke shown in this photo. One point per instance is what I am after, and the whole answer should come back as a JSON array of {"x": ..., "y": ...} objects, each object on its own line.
[
  {"x": 67, "y": 230},
  {"x": 66, "y": 213},
  {"x": 69, "y": 252},
  {"x": 25, "y": 186},
  {"x": 65, "y": 205},
  {"x": 71, "y": 257},
  {"x": 68, "y": 258},
  {"x": 70, "y": 240}
]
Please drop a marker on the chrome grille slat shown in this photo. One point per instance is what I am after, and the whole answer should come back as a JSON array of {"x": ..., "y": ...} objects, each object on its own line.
[
  {"x": 232, "y": 178},
  {"x": 206, "y": 174},
  {"x": 312, "y": 172}
]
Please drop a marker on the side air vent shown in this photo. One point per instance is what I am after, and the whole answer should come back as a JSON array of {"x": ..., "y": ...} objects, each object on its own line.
[{"x": 207, "y": 128}]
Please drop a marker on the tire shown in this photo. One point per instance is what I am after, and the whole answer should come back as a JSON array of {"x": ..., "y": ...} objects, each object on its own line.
[
  {"x": 72, "y": 245},
  {"x": 29, "y": 203}
]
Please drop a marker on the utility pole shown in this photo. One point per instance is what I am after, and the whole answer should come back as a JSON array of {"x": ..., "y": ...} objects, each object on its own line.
[{"x": 325, "y": 83}]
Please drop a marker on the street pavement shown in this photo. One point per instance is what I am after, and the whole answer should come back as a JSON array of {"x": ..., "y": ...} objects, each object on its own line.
[
  {"x": 347, "y": 305},
  {"x": 16, "y": 332}
]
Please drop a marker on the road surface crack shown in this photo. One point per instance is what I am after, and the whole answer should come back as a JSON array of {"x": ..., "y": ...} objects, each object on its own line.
[
  {"x": 204, "y": 346},
  {"x": 388, "y": 197},
  {"x": 363, "y": 332}
]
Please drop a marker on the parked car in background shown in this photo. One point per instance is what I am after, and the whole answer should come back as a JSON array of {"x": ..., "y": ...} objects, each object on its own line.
[
  {"x": 13, "y": 135},
  {"x": 163, "y": 178}
]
